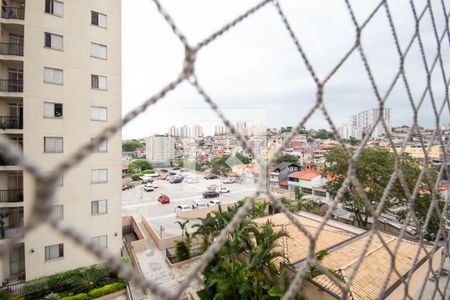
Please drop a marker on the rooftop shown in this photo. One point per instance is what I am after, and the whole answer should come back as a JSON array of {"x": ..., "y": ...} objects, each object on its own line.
[{"x": 305, "y": 174}]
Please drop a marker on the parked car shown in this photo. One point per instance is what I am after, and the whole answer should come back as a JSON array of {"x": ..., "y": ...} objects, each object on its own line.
[
  {"x": 210, "y": 194},
  {"x": 191, "y": 180},
  {"x": 214, "y": 202},
  {"x": 229, "y": 180},
  {"x": 163, "y": 199},
  {"x": 198, "y": 204},
  {"x": 211, "y": 176},
  {"x": 148, "y": 187},
  {"x": 173, "y": 173},
  {"x": 175, "y": 168},
  {"x": 154, "y": 185},
  {"x": 176, "y": 180},
  {"x": 164, "y": 170},
  {"x": 163, "y": 176},
  {"x": 222, "y": 190},
  {"x": 183, "y": 207},
  {"x": 146, "y": 178},
  {"x": 127, "y": 187}
]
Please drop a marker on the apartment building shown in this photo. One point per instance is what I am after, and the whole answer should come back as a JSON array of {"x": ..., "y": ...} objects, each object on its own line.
[
  {"x": 60, "y": 85},
  {"x": 160, "y": 149},
  {"x": 366, "y": 119}
]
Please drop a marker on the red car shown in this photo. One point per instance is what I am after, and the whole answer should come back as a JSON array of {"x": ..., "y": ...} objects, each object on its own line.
[{"x": 163, "y": 199}]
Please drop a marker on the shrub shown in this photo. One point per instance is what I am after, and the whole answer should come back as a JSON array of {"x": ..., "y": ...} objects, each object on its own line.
[
  {"x": 148, "y": 172},
  {"x": 90, "y": 279},
  {"x": 107, "y": 289},
  {"x": 52, "y": 296},
  {"x": 82, "y": 296},
  {"x": 4, "y": 295},
  {"x": 37, "y": 286},
  {"x": 182, "y": 250},
  {"x": 136, "y": 176}
]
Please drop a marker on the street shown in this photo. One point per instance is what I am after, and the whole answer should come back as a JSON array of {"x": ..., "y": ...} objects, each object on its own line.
[{"x": 137, "y": 202}]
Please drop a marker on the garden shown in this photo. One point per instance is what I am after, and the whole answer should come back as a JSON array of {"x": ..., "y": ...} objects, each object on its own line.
[{"x": 80, "y": 284}]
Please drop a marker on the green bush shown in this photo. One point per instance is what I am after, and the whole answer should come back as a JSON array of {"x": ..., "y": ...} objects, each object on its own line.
[
  {"x": 148, "y": 172},
  {"x": 107, "y": 289},
  {"x": 4, "y": 295},
  {"x": 82, "y": 296},
  {"x": 136, "y": 176},
  {"x": 52, "y": 296},
  {"x": 90, "y": 279}
]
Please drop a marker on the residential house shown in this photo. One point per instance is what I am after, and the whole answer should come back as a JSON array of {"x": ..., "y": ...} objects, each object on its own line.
[
  {"x": 309, "y": 182},
  {"x": 280, "y": 173}
]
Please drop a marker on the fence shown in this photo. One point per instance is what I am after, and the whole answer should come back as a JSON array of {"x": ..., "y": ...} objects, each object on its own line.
[
  {"x": 172, "y": 256},
  {"x": 433, "y": 66}
]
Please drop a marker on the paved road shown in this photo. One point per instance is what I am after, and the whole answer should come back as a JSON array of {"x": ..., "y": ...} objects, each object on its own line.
[{"x": 137, "y": 202}]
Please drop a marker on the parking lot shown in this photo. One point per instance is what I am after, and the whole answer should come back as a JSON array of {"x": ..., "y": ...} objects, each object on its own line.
[{"x": 137, "y": 202}]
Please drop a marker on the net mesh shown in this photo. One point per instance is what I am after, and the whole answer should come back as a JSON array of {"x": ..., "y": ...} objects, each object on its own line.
[{"x": 432, "y": 66}]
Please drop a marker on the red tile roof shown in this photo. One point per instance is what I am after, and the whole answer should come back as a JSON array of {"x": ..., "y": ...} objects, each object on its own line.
[{"x": 305, "y": 174}]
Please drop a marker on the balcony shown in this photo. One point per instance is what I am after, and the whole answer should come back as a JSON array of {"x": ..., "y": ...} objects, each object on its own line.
[
  {"x": 7, "y": 232},
  {"x": 11, "y": 86},
  {"x": 11, "y": 122},
  {"x": 11, "y": 196},
  {"x": 13, "y": 12},
  {"x": 11, "y": 49}
]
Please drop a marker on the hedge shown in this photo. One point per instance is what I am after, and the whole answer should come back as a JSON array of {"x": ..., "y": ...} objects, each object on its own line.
[
  {"x": 107, "y": 289},
  {"x": 136, "y": 176},
  {"x": 151, "y": 171},
  {"x": 82, "y": 296}
]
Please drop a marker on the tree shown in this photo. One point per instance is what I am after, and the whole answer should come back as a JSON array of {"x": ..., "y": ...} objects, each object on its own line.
[
  {"x": 352, "y": 141},
  {"x": 244, "y": 159},
  {"x": 286, "y": 158},
  {"x": 374, "y": 168},
  {"x": 129, "y": 146},
  {"x": 219, "y": 166},
  {"x": 323, "y": 134},
  {"x": 183, "y": 247},
  {"x": 137, "y": 166}
]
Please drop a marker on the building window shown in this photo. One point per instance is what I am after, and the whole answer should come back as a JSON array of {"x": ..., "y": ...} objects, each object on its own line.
[
  {"x": 53, "y": 110},
  {"x": 98, "y": 19},
  {"x": 99, "y": 207},
  {"x": 54, "y": 76},
  {"x": 99, "y": 82},
  {"x": 98, "y": 51},
  {"x": 102, "y": 147},
  {"x": 53, "y": 144},
  {"x": 58, "y": 211},
  {"x": 53, "y": 41},
  {"x": 99, "y": 113},
  {"x": 54, "y": 251},
  {"x": 54, "y": 7},
  {"x": 99, "y": 175},
  {"x": 101, "y": 241}
]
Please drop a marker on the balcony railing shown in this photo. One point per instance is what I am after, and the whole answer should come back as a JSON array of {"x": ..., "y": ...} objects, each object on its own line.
[
  {"x": 11, "y": 49},
  {"x": 11, "y": 195},
  {"x": 13, "y": 86},
  {"x": 7, "y": 232},
  {"x": 11, "y": 123},
  {"x": 11, "y": 12}
]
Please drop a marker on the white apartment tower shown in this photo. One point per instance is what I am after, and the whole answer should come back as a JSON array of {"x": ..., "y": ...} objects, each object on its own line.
[
  {"x": 60, "y": 85},
  {"x": 160, "y": 148},
  {"x": 366, "y": 119}
]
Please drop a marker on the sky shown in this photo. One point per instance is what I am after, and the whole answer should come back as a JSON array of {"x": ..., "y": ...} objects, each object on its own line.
[{"x": 254, "y": 72}]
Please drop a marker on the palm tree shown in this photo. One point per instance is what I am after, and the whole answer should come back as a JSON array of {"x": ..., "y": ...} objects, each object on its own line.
[{"x": 183, "y": 227}]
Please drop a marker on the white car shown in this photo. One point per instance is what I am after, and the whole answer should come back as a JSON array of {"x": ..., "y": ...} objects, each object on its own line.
[
  {"x": 183, "y": 207},
  {"x": 198, "y": 204},
  {"x": 222, "y": 189},
  {"x": 229, "y": 180},
  {"x": 148, "y": 188},
  {"x": 214, "y": 202}
]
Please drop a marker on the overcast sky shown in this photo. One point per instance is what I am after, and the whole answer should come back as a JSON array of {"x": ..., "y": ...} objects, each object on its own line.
[{"x": 254, "y": 71}]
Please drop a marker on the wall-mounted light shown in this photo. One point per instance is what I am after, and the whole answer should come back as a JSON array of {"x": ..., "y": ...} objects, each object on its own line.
[
  {"x": 32, "y": 250},
  {"x": 115, "y": 233}
]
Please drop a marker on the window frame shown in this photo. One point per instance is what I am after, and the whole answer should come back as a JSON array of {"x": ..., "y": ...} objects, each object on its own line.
[
  {"x": 60, "y": 252},
  {"x": 54, "y": 109},
  {"x": 54, "y": 137},
  {"x": 100, "y": 108},
  {"x": 94, "y": 44},
  {"x": 98, "y": 19},
  {"x": 99, "y": 213},
  {"x": 61, "y": 211},
  {"x": 53, "y": 82},
  {"x": 50, "y": 35},
  {"x": 99, "y": 182},
  {"x": 98, "y": 77},
  {"x": 98, "y": 149},
  {"x": 97, "y": 239},
  {"x": 51, "y": 8}
]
